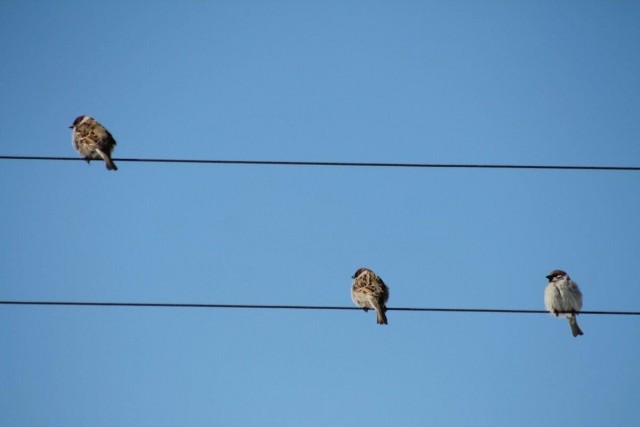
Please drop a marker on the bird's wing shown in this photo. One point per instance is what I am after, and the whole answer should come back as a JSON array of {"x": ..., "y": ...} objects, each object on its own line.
[{"x": 104, "y": 137}]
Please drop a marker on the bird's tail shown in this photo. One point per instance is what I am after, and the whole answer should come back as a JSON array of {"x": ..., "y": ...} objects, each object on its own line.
[
  {"x": 107, "y": 161},
  {"x": 380, "y": 312},
  {"x": 575, "y": 329},
  {"x": 110, "y": 165}
]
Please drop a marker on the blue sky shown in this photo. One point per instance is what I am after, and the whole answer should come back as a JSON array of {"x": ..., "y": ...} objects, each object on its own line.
[{"x": 452, "y": 82}]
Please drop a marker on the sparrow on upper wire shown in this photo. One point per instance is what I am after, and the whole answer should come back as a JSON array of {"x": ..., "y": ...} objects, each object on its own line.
[
  {"x": 93, "y": 141},
  {"x": 562, "y": 296},
  {"x": 369, "y": 291}
]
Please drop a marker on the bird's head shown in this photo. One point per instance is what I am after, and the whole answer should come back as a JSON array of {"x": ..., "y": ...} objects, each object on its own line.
[
  {"x": 78, "y": 120},
  {"x": 359, "y": 272},
  {"x": 557, "y": 274}
]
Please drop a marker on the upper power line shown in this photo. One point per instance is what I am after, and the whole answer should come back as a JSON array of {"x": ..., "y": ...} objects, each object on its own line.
[{"x": 343, "y": 164}]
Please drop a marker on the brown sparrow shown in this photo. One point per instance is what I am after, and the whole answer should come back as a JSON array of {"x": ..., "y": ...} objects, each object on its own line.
[
  {"x": 369, "y": 291},
  {"x": 93, "y": 141}
]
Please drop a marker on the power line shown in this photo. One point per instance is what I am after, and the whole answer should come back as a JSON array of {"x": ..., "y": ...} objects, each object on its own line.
[
  {"x": 294, "y": 307},
  {"x": 343, "y": 164}
]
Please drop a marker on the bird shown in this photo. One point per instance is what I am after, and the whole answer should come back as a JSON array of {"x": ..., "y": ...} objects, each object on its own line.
[
  {"x": 562, "y": 296},
  {"x": 370, "y": 291},
  {"x": 93, "y": 141}
]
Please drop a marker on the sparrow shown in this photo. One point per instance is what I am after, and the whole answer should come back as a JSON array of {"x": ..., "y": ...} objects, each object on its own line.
[
  {"x": 93, "y": 141},
  {"x": 369, "y": 291},
  {"x": 562, "y": 296}
]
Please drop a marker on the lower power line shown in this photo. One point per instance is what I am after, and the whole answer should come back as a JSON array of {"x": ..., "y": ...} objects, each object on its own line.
[{"x": 295, "y": 307}]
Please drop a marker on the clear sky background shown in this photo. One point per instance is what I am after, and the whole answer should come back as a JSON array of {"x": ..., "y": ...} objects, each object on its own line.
[{"x": 523, "y": 82}]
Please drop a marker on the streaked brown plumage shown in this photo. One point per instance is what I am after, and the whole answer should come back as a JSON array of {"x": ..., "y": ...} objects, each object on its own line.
[
  {"x": 370, "y": 291},
  {"x": 93, "y": 141}
]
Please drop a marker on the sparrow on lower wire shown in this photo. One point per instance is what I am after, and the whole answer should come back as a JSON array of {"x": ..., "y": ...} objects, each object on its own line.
[
  {"x": 369, "y": 291},
  {"x": 93, "y": 141},
  {"x": 563, "y": 297}
]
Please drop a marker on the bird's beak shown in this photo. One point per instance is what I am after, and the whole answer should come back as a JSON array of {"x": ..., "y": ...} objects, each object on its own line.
[
  {"x": 71, "y": 127},
  {"x": 353, "y": 277},
  {"x": 549, "y": 277}
]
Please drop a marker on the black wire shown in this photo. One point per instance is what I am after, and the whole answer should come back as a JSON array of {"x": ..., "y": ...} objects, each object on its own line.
[
  {"x": 345, "y": 164},
  {"x": 303, "y": 163},
  {"x": 296, "y": 307}
]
